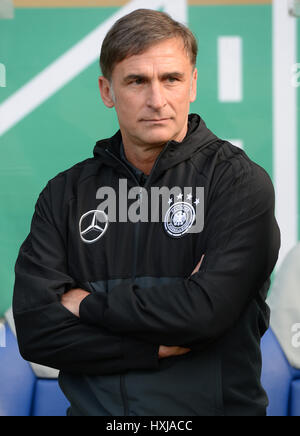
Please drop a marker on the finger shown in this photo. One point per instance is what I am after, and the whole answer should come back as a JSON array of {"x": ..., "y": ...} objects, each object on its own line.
[
  {"x": 198, "y": 265},
  {"x": 184, "y": 350}
]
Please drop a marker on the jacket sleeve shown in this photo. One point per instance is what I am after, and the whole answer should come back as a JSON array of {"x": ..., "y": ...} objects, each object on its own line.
[
  {"x": 241, "y": 241},
  {"x": 47, "y": 332}
]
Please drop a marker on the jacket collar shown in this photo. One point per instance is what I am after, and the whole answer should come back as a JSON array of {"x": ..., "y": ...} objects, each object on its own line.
[{"x": 198, "y": 137}]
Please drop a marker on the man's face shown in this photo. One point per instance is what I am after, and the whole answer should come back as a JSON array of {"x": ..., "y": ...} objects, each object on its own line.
[{"x": 152, "y": 94}]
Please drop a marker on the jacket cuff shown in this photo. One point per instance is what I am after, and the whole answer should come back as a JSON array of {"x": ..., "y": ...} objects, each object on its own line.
[{"x": 140, "y": 354}]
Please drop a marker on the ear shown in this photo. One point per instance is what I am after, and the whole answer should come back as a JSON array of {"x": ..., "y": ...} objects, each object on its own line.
[
  {"x": 105, "y": 91},
  {"x": 193, "y": 94}
]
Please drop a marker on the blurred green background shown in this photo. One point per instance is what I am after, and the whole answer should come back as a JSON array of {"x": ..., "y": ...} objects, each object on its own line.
[{"x": 64, "y": 129}]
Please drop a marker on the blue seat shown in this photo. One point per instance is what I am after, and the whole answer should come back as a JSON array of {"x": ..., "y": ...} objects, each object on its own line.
[
  {"x": 280, "y": 380},
  {"x": 24, "y": 394},
  {"x": 21, "y": 392}
]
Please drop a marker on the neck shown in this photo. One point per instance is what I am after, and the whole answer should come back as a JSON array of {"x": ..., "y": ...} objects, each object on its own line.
[{"x": 142, "y": 158}]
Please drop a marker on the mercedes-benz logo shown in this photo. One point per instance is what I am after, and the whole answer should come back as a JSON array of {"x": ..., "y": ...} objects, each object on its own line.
[{"x": 92, "y": 226}]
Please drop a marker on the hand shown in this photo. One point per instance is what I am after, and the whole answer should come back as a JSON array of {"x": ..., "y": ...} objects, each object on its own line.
[
  {"x": 71, "y": 300},
  {"x": 198, "y": 266},
  {"x": 165, "y": 351}
]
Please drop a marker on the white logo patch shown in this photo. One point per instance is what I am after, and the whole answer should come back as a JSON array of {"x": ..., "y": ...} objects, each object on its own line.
[
  {"x": 92, "y": 226},
  {"x": 179, "y": 219}
]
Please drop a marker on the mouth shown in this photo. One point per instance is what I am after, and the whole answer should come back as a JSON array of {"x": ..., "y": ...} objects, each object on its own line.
[{"x": 155, "y": 120}]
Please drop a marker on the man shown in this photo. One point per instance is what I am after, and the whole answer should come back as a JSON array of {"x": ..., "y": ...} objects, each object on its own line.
[{"x": 143, "y": 316}]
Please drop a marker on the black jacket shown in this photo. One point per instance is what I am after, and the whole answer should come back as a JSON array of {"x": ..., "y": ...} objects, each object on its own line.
[{"x": 142, "y": 291}]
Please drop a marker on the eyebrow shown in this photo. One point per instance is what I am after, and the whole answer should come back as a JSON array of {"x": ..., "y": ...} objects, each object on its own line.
[
  {"x": 175, "y": 74},
  {"x": 134, "y": 77},
  {"x": 164, "y": 76}
]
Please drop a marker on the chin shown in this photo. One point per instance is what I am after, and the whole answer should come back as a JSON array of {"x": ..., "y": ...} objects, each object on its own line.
[{"x": 158, "y": 138}]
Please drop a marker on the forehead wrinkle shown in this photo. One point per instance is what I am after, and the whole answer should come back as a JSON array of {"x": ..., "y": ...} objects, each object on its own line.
[{"x": 160, "y": 59}]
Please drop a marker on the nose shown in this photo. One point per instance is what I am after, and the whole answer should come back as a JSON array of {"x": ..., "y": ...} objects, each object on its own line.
[{"x": 156, "y": 98}]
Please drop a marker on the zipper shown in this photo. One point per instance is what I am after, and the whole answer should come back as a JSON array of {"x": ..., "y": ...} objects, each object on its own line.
[
  {"x": 123, "y": 165},
  {"x": 138, "y": 224},
  {"x": 136, "y": 230},
  {"x": 140, "y": 198},
  {"x": 124, "y": 394},
  {"x": 123, "y": 390}
]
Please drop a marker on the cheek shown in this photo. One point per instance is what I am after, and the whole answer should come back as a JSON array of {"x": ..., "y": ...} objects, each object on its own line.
[
  {"x": 180, "y": 97},
  {"x": 129, "y": 104},
  {"x": 128, "y": 112},
  {"x": 181, "y": 107}
]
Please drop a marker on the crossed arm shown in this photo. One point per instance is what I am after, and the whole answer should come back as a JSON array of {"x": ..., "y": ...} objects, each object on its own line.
[
  {"x": 72, "y": 299},
  {"x": 121, "y": 330},
  {"x": 241, "y": 241}
]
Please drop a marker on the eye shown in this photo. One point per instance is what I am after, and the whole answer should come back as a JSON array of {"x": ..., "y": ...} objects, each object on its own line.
[
  {"x": 138, "y": 81},
  {"x": 172, "y": 79}
]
